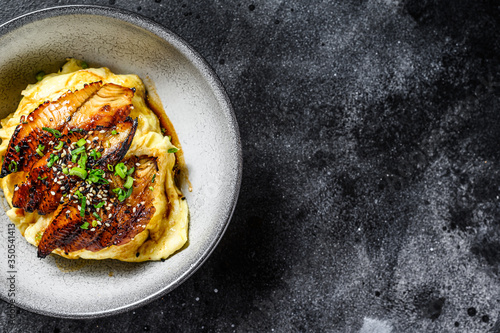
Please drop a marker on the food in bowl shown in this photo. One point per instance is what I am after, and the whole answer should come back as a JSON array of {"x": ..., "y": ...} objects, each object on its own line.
[{"x": 89, "y": 171}]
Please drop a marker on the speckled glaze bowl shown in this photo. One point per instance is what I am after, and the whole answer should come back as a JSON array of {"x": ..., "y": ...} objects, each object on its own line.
[{"x": 197, "y": 105}]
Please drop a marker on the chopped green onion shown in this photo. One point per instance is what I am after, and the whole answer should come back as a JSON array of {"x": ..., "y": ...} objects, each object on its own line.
[
  {"x": 169, "y": 138},
  {"x": 151, "y": 188},
  {"x": 81, "y": 142},
  {"x": 97, "y": 216},
  {"x": 129, "y": 182},
  {"x": 59, "y": 145},
  {"x": 162, "y": 130},
  {"x": 39, "y": 76},
  {"x": 77, "y": 150},
  {"x": 84, "y": 204},
  {"x": 96, "y": 176},
  {"x": 99, "y": 205},
  {"x": 153, "y": 180},
  {"x": 13, "y": 166},
  {"x": 53, "y": 159},
  {"x": 55, "y": 132},
  {"x": 82, "y": 162},
  {"x": 17, "y": 149},
  {"x": 85, "y": 225},
  {"x": 65, "y": 171},
  {"x": 125, "y": 195},
  {"x": 94, "y": 223},
  {"x": 40, "y": 149},
  {"x": 172, "y": 150},
  {"x": 84, "y": 65},
  {"x": 122, "y": 194},
  {"x": 121, "y": 170},
  {"x": 82, "y": 173},
  {"x": 110, "y": 167},
  {"x": 40, "y": 178},
  {"x": 114, "y": 132},
  {"x": 75, "y": 130},
  {"x": 130, "y": 171},
  {"x": 95, "y": 154}
]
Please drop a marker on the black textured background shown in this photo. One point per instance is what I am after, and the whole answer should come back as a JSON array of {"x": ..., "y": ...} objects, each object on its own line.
[{"x": 371, "y": 185}]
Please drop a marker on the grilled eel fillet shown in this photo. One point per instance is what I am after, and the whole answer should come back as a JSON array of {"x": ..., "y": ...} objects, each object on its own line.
[
  {"x": 45, "y": 185},
  {"x": 114, "y": 223},
  {"x": 94, "y": 105}
]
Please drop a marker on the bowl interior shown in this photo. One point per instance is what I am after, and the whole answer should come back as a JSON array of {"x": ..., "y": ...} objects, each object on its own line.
[{"x": 201, "y": 114}]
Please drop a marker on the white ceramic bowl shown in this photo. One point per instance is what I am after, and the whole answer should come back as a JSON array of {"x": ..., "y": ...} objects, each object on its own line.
[{"x": 197, "y": 105}]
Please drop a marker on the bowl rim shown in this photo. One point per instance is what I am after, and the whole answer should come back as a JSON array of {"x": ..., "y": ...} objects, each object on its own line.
[{"x": 206, "y": 71}]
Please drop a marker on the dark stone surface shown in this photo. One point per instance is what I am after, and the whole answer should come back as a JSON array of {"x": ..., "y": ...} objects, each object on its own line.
[{"x": 370, "y": 195}]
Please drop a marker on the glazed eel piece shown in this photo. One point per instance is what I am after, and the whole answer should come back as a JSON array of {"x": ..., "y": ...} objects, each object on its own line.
[
  {"x": 29, "y": 134},
  {"x": 87, "y": 221},
  {"x": 52, "y": 176},
  {"x": 85, "y": 109},
  {"x": 110, "y": 105}
]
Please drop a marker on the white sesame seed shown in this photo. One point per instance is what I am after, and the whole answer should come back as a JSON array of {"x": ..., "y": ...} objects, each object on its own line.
[
  {"x": 30, "y": 118},
  {"x": 109, "y": 216},
  {"x": 91, "y": 132},
  {"x": 143, "y": 202},
  {"x": 68, "y": 211},
  {"x": 99, "y": 223},
  {"x": 59, "y": 183},
  {"x": 99, "y": 196},
  {"x": 137, "y": 164},
  {"x": 107, "y": 224},
  {"x": 16, "y": 188},
  {"x": 102, "y": 131},
  {"x": 93, "y": 229},
  {"x": 88, "y": 141},
  {"x": 63, "y": 188},
  {"x": 52, "y": 192},
  {"x": 51, "y": 142},
  {"x": 79, "y": 207},
  {"x": 133, "y": 210},
  {"x": 54, "y": 169}
]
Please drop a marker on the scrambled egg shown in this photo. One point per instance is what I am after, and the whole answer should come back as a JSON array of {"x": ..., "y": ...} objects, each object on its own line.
[{"x": 167, "y": 231}]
